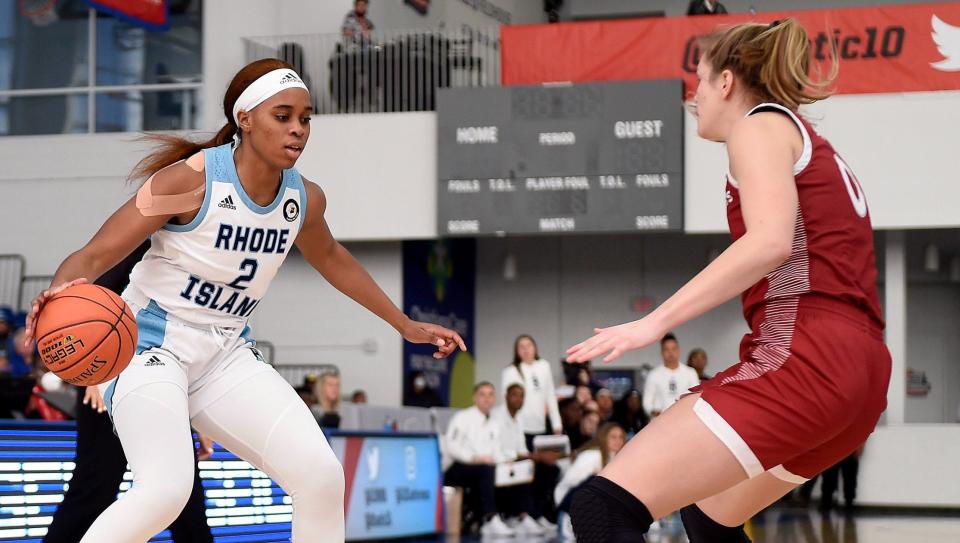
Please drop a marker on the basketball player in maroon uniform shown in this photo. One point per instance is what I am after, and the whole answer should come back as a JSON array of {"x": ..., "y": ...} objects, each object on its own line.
[{"x": 813, "y": 372}]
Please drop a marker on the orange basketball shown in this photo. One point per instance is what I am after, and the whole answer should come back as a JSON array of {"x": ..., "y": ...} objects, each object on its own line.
[{"x": 86, "y": 334}]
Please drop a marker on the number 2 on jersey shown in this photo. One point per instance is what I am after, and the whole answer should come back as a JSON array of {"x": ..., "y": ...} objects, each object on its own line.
[{"x": 250, "y": 263}]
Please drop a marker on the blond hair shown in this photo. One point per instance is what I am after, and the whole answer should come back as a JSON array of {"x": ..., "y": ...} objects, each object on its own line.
[{"x": 772, "y": 61}]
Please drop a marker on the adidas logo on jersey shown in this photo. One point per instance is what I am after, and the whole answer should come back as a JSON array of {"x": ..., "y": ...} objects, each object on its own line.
[
  {"x": 290, "y": 78},
  {"x": 153, "y": 361},
  {"x": 227, "y": 203}
]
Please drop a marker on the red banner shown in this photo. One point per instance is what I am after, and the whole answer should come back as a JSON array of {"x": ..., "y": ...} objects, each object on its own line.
[
  {"x": 151, "y": 14},
  {"x": 882, "y": 49}
]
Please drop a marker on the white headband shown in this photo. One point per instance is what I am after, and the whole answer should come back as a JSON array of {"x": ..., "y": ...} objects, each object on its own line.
[{"x": 264, "y": 87}]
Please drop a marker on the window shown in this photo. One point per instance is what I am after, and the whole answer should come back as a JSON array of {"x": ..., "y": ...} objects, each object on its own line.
[{"x": 66, "y": 69}]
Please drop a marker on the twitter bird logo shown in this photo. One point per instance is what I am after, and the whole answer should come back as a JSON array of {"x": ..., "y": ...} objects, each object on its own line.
[{"x": 947, "y": 38}]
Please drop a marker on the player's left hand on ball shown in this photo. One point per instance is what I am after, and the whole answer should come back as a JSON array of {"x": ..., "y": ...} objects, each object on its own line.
[
  {"x": 614, "y": 341},
  {"x": 446, "y": 340},
  {"x": 37, "y": 305}
]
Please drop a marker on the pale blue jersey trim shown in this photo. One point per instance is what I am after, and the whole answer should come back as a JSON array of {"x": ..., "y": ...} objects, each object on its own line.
[
  {"x": 238, "y": 186},
  {"x": 108, "y": 396},
  {"x": 301, "y": 187},
  {"x": 152, "y": 327},
  {"x": 203, "y": 207}
]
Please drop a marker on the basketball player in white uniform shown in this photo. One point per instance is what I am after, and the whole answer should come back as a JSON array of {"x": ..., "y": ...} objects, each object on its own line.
[{"x": 223, "y": 215}]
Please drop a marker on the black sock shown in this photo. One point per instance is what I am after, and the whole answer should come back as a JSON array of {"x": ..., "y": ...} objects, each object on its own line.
[
  {"x": 603, "y": 512},
  {"x": 703, "y": 529}
]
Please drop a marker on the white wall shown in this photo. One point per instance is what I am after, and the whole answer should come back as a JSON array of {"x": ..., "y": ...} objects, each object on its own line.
[
  {"x": 567, "y": 286},
  {"x": 379, "y": 173},
  {"x": 933, "y": 346},
  {"x": 310, "y": 322},
  {"x": 913, "y": 465},
  {"x": 902, "y": 147}
]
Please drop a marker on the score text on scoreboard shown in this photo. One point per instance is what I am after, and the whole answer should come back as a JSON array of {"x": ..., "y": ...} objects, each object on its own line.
[{"x": 599, "y": 157}]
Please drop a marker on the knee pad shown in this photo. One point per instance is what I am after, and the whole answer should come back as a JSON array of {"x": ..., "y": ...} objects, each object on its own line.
[
  {"x": 603, "y": 512},
  {"x": 703, "y": 529}
]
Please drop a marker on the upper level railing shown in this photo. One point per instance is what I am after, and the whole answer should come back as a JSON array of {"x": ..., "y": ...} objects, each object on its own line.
[{"x": 397, "y": 70}]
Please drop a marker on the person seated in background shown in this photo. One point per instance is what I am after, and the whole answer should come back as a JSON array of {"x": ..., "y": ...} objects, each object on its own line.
[
  {"x": 6, "y": 328},
  {"x": 630, "y": 414},
  {"x": 420, "y": 394},
  {"x": 590, "y": 459},
  {"x": 583, "y": 395},
  {"x": 585, "y": 379},
  {"x": 605, "y": 405},
  {"x": 327, "y": 392},
  {"x": 667, "y": 382},
  {"x": 20, "y": 359},
  {"x": 518, "y": 500},
  {"x": 588, "y": 428},
  {"x": 359, "y": 396},
  {"x": 706, "y": 7},
  {"x": 356, "y": 25},
  {"x": 571, "y": 413},
  {"x": 697, "y": 359},
  {"x": 473, "y": 442}
]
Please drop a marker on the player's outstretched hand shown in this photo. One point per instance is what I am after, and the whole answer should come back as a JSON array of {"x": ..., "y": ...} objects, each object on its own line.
[
  {"x": 615, "y": 340},
  {"x": 38, "y": 305},
  {"x": 446, "y": 340}
]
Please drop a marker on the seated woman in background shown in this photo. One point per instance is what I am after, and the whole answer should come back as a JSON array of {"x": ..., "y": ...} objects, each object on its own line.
[
  {"x": 327, "y": 391},
  {"x": 589, "y": 460},
  {"x": 630, "y": 413}
]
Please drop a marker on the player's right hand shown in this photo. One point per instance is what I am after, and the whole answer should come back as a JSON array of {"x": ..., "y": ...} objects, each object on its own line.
[
  {"x": 94, "y": 399},
  {"x": 37, "y": 305}
]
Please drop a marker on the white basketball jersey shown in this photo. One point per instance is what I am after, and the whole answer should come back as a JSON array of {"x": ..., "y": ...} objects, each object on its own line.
[{"x": 215, "y": 270}]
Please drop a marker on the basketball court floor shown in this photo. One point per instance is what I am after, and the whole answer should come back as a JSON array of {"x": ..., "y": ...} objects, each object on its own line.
[{"x": 792, "y": 525}]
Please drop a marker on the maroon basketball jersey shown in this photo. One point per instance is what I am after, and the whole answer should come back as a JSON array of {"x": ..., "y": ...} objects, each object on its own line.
[{"x": 833, "y": 252}]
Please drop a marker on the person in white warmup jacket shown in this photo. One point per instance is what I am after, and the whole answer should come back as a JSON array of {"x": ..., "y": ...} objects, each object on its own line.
[{"x": 667, "y": 383}]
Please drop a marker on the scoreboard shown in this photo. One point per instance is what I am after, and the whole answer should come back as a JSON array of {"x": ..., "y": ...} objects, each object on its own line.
[{"x": 598, "y": 157}]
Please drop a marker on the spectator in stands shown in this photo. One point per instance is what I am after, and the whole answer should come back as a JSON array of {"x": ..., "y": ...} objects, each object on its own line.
[
  {"x": 571, "y": 413},
  {"x": 706, "y": 7},
  {"x": 20, "y": 359},
  {"x": 630, "y": 414},
  {"x": 585, "y": 379},
  {"x": 6, "y": 326},
  {"x": 358, "y": 396},
  {"x": 356, "y": 25},
  {"x": 667, "y": 382},
  {"x": 605, "y": 405},
  {"x": 588, "y": 429},
  {"x": 583, "y": 395},
  {"x": 472, "y": 442},
  {"x": 534, "y": 373},
  {"x": 420, "y": 394},
  {"x": 591, "y": 458},
  {"x": 517, "y": 500},
  {"x": 697, "y": 359},
  {"x": 327, "y": 392}
]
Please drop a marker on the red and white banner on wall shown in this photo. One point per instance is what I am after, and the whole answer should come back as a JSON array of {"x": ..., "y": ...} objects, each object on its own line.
[
  {"x": 904, "y": 48},
  {"x": 150, "y": 14}
]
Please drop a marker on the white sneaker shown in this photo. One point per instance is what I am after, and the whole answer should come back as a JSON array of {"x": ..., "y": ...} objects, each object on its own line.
[
  {"x": 497, "y": 528},
  {"x": 528, "y": 526},
  {"x": 547, "y": 526}
]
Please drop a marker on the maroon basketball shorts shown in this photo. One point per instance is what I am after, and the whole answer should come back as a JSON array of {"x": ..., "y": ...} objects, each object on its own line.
[{"x": 808, "y": 391}]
